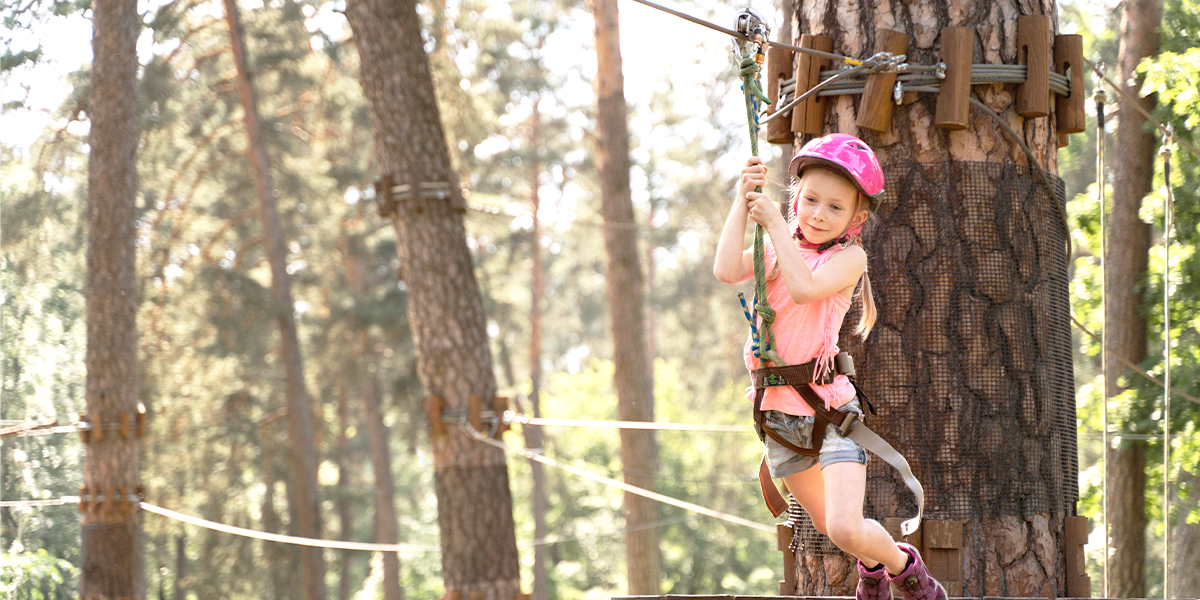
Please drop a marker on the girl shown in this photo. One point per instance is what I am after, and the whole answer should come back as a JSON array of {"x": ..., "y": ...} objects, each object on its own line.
[{"x": 810, "y": 284}]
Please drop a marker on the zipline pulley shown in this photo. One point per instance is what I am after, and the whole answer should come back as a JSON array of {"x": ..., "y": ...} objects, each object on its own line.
[{"x": 757, "y": 31}]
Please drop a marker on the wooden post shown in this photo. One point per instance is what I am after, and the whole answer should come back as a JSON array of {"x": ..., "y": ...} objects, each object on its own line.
[
  {"x": 783, "y": 543},
  {"x": 875, "y": 110},
  {"x": 434, "y": 406},
  {"x": 1068, "y": 60},
  {"x": 808, "y": 117},
  {"x": 474, "y": 406},
  {"x": 953, "y": 101},
  {"x": 942, "y": 553},
  {"x": 1033, "y": 51},
  {"x": 779, "y": 66},
  {"x": 1075, "y": 534},
  {"x": 499, "y": 405}
]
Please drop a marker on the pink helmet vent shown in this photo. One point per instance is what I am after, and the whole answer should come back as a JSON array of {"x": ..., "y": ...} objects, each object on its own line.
[{"x": 847, "y": 155}]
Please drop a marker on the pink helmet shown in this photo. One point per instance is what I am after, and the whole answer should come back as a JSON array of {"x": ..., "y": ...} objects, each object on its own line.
[{"x": 847, "y": 155}]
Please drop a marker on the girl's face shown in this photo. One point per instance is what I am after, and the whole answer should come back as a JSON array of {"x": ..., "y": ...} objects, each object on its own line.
[{"x": 826, "y": 206}]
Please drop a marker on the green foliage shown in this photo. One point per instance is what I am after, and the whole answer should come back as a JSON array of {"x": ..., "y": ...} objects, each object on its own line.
[{"x": 36, "y": 576}]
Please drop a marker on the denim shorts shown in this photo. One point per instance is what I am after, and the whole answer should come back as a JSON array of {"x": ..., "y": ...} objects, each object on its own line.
[{"x": 798, "y": 430}]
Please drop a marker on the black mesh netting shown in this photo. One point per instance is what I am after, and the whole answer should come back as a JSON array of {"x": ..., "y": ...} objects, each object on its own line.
[{"x": 969, "y": 362}]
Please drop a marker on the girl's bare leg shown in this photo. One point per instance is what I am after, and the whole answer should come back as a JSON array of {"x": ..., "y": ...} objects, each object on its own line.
[
  {"x": 845, "y": 486},
  {"x": 808, "y": 487}
]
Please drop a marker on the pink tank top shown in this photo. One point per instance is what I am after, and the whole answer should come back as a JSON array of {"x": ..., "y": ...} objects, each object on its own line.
[{"x": 803, "y": 332}]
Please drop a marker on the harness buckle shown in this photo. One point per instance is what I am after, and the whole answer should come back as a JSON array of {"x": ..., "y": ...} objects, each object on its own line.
[{"x": 848, "y": 423}]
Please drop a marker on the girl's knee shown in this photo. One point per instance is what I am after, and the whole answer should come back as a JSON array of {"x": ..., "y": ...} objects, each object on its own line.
[
  {"x": 843, "y": 532},
  {"x": 819, "y": 524}
]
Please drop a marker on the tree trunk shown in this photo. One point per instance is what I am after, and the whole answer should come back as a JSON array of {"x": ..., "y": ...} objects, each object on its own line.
[
  {"x": 1126, "y": 474},
  {"x": 300, "y": 417},
  {"x": 635, "y": 393},
  {"x": 181, "y": 563},
  {"x": 1126, "y": 259},
  {"x": 112, "y": 561},
  {"x": 445, "y": 310},
  {"x": 533, "y": 433},
  {"x": 345, "y": 521},
  {"x": 386, "y": 524},
  {"x": 969, "y": 363},
  {"x": 1184, "y": 578}
]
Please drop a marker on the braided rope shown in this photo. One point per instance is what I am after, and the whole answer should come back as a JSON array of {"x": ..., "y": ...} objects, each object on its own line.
[{"x": 764, "y": 338}]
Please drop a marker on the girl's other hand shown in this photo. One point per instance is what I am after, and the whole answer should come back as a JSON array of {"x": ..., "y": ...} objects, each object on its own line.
[
  {"x": 754, "y": 174},
  {"x": 763, "y": 211}
]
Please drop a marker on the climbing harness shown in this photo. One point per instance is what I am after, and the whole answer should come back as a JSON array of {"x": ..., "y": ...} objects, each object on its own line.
[{"x": 850, "y": 425}]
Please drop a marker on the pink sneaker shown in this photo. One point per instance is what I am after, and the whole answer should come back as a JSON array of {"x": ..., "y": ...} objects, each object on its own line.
[
  {"x": 873, "y": 584},
  {"x": 915, "y": 582}
]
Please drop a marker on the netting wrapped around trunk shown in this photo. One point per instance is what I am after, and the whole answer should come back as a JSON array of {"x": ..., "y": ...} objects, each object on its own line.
[{"x": 969, "y": 363}]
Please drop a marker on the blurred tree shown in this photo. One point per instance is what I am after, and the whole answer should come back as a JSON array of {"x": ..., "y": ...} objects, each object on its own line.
[
  {"x": 444, "y": 307},
  {"x": 300, "y": 427},
  {"x": 111, "y": 546},
  {"x": 1125, "y": 299},
  {"x": 626, "y": 305}
]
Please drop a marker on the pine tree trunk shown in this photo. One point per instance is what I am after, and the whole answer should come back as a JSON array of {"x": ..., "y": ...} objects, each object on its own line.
[
  {"x": 300, "y": 414},
  {"x": 533, "y": 433},
  {"x": 969, "y": 362},
  {"x": 1126, "y": 263},
  {"x": 445, "y": 309},
  {"x": 1184, "y": 578},
  {"x": 1127, "y": 520},
  {"x": 386, "y": 524},
  {"x": 635, "y": 392},
  {"x": 181, "y": 563},
  {"x": 345, "y": 522},
  {"x": 112, "y": 561}
]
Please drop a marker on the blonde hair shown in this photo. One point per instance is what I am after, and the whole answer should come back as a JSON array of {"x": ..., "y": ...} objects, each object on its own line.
[{"x": 869, "y": 312}]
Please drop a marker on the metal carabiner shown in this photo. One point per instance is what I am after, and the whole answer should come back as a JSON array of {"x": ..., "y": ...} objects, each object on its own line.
[{"x": 757, "y": 30}]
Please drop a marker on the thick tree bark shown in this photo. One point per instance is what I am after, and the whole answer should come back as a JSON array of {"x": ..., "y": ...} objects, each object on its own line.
[
  {"x": 635, "y": 392},
  {"x": 112, "y": 561},
  {"x": 1126, "y": 262},
  {"x": 533, "y": 433},
  {"x": 300, "y": 418},
  {"x": 386, "y": 524},
  {"x": 969, "y": 362},
  {"x": 445, "y": 309}
]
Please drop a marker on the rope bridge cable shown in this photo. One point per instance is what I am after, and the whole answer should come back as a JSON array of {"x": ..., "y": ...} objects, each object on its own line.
[
  {"x": 65, "y": 500},
  {"x": 284, "y": 539},
  {"x": 1141, "y": 110},
  {"x": 514, "y": 417},
  {"x": 716, "y": 514}
]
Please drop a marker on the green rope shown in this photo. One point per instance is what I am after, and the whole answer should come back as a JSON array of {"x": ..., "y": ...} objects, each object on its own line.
[{"x": 749, "y": 71}]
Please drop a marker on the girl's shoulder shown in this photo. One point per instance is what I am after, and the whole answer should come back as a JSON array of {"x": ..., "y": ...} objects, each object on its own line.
[{"x": 852, "y": 257}]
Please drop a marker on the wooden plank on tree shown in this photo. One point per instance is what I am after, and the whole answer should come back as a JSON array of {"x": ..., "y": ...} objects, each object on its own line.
[
  {"x": 1068, "y": 60},
  {"x": 1075, "y": 534},
  {"x": 953, "y": 100},
  {"x": 875, "y": 110},
  {"x": 1033, "y": 51},
  {"x": 808, "y": 117},
  {"x": 779, "y": 67},
  {"x": 942, "y": 534}
]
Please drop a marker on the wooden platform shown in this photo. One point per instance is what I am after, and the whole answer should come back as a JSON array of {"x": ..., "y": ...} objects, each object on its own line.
[{"x": 734, "y": 597}]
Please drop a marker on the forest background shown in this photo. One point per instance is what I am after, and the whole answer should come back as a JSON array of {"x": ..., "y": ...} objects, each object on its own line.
[{"x": 209, "y": 360}]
